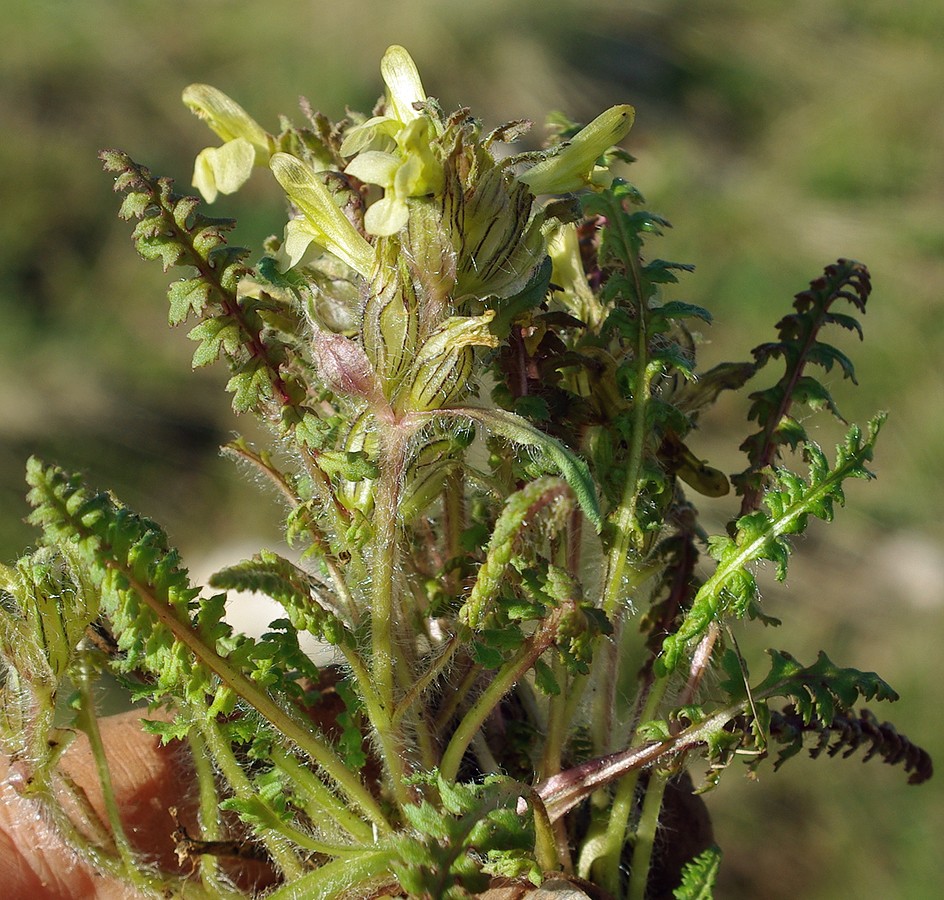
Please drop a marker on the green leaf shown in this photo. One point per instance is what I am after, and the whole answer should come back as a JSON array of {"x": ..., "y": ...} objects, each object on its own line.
[
  {"x": 545, "y": 679},
  {"x": 305, "y": 600},
  {"x": 819, "y": 689},
  {"x": 135, "y": 205},
  {"x": 167, "y": 731},
  {"x": 519, "y": 513},
  {"x": 791, "y": 500},
  {"x": 799, "y": 346},
  {"x": 675, "y": 309},
  {"x": 251, "y": 385},
  {"x": 486, "y": 656},
  {"x": 188, "y": 295},
  {"x": 699, "y": 876},
  {"x": 216, "y": 336},
  {"x": 519, "y": 431}
]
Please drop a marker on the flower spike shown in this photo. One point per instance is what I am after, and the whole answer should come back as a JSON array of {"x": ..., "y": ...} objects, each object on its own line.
[{"x": 395, "y": 150}]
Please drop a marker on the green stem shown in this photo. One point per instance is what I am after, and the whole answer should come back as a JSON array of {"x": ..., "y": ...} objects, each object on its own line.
[
  {"x": 611, "y": 842},
  {"x": 557, "y": 722},
  {"x": 427, "y": 678},
  {"x": 92, "y": 824},
  {"x": 318, "y": 537},
  {"x": 288, "y": 723},
  {"x": 646, "y": 836},
  {"x": 289, "y": 864},
  {"x": 504, "y": 681},
  {"x": 365, "y": 686},
  {"x": 88, "y": 722},
  {"x": 339, "y": 876},
  {"x": 618, "y": 823},
  {"x": 455, "y": 698},
  {"x": 484, "y": 756},
  {"x": 98, "y": 858},
  {"x": 321, "y": 801},
  {"x": 453, "y": 522},
  {"x": 559, "y": 710},
  {"x": 208, "y": 807},
  {"x": 383, "y": 563},
  {"x": 382, "y": 613},
  {"x": 629, "y": 536}
]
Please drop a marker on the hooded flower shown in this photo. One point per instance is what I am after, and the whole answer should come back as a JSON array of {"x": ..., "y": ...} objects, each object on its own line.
[
  {"x": 568, "y": 275},
  {"x": 396, "y": 150},
  {"x": 225, "y": 169},
  {"x": 320, "y": 222}
]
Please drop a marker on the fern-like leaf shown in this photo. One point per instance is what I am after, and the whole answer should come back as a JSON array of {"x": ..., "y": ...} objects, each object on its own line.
[
  {"x": 699, "y": 875},
  {"x": 127, "y": 559},
  {"x": 474, "y": 831},
  {"x": 170, "y": 228},
  {"x": 303, "y": 597},
  {"x": 162, "y": 627},
  {"x": 799, "y": 346},
  {"x": 823, "y": 699},
  {"x": 820, "y": 690},
  {"x": 44, "y": 615},
  {"x": 761, "y": 535},
  {"x": 844, "y": 734},
  {"x": 521, "y": 508}
]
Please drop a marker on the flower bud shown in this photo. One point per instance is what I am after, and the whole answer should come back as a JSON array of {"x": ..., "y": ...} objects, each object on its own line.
[
  {"x": 573, "y": 165},
  {"x": 444, "y": 362}
]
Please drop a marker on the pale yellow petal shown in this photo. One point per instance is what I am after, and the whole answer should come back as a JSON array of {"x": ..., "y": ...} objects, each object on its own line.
[
  {"x": 572, "y": 167},
  {"x": 404, "y": 87},
  {"x": 374, "y": 167},
  {"x": 313, "y": 199},
  {"x": 298, "y": 237},
  {"x": 224, "y": 115},
  {"x": 386, "y": 216},
  {"x": 223, "y": 169}
]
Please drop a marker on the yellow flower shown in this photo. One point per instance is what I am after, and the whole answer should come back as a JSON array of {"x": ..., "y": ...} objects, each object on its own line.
[
  {"x": 396, "y": 150},
  {"x": 225, "y": 169},
  {"x": 568, "y": 275},
  {"x": 574, "y": 164},
  {"x": 412, "y": 171},
  {"x": 321, "y": 222}
]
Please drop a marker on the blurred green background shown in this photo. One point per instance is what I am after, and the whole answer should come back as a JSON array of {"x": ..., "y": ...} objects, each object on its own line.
[{"x": 775, "y": 136}]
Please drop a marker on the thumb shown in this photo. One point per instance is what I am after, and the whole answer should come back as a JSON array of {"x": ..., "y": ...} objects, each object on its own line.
[{"x": 145, "y": 777}]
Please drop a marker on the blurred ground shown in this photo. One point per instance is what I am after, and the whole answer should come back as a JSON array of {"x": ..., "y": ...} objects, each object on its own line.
[{"x": 776, "y": 137}]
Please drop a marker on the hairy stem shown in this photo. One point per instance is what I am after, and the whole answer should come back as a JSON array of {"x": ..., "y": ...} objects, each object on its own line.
[
  {"x": 646, "y": 836},
  {"x": 629, "y": 538},
  {"x": 504, "y": 680},
  {"x": 208, "y": 807},
  {"x": 321, "y": 801},
  {"x": 617, "y": 826},
  {"x": 88, "y": 722},
  {"x": 290, "y": 724},
  {"x": 384, "y": 650},
  {"x": 289, "y": 864}
]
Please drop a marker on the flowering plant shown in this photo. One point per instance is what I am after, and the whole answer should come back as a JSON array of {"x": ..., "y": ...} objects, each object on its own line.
[{"x": 483, "y": 408}]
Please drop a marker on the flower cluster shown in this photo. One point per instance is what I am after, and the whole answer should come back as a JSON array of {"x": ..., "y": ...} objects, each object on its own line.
[{"x": 421, "y": 214}]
